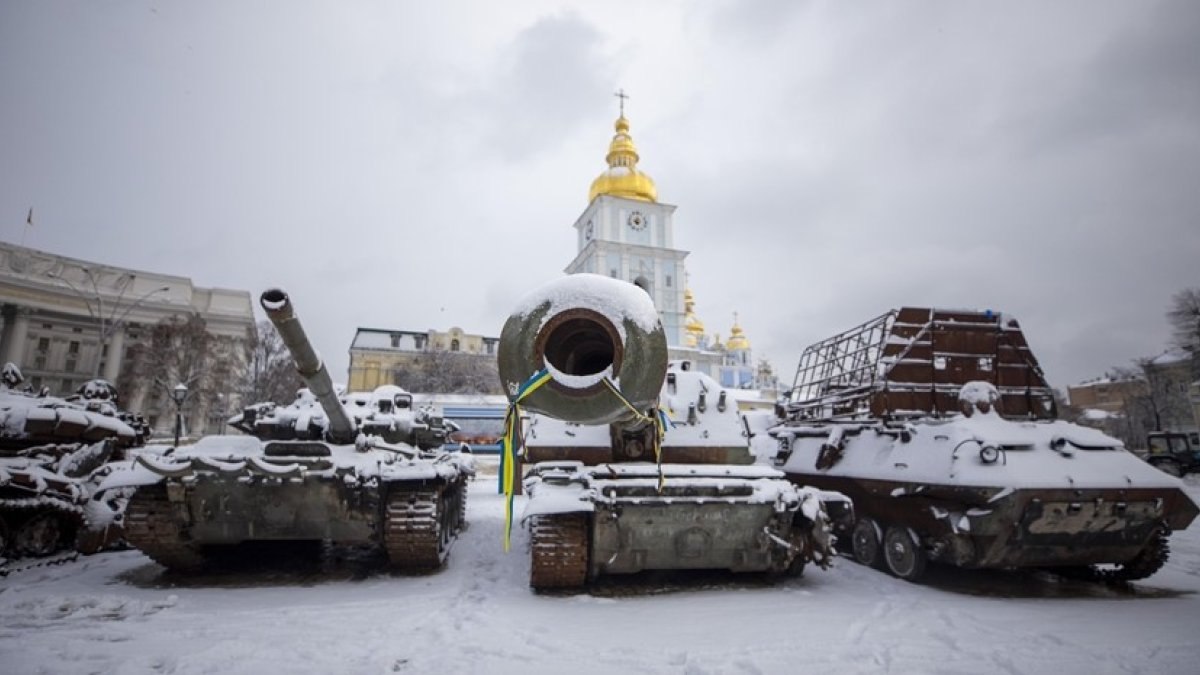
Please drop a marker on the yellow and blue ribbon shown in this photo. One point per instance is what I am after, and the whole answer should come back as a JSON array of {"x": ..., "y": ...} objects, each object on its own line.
[
  {"x": 657, "y": 417},
  {"x": 511, "y": 447}
]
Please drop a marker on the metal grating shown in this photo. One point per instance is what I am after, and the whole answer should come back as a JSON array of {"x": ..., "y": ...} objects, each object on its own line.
[{"x": 912, "y": 362}]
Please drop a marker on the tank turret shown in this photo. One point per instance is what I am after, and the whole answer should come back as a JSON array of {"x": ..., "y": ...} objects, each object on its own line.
[
  {"x": 582, "y": 329},
  {"x": 278, "y": 306}
]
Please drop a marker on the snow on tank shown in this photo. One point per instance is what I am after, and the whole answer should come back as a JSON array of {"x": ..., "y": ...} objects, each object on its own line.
[{"x": 940, "y": 426}]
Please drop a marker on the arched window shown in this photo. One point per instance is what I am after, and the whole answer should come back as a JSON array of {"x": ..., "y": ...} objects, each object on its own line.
[{"x": 454, "y": 345}]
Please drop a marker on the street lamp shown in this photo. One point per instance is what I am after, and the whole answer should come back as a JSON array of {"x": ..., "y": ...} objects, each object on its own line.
[
  {"x": 179, "y": 395},
  {"x": 110, "y": 324}
]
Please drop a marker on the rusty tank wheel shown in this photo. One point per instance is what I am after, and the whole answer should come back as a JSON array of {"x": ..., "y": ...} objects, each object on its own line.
[
  {"x": 902, "y": 553},
  {"x": 865, "y": 544},
  {"x": 152, "y": 527},
  {"x": 41, "y": 534},
  {"x": 559, "y": 551},
  {"x": 416, "y": 528}
]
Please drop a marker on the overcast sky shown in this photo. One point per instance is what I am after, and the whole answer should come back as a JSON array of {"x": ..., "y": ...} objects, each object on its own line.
[{"x": 419, "y": 165}]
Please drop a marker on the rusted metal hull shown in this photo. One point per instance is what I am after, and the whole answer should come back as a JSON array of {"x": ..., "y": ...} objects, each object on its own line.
[
  {"x": 215, "y": 512},
  {"x": 634, "y": 534},
  {"x": 699, "y": 517},
  {"x": 994, "y": 527}
]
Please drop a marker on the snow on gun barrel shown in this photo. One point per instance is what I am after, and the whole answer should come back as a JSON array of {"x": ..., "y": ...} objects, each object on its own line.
[
  {"x": 636, "y": 464},
  {"x": 940, "y": 425},
  {"x": 351, "y": 470}
]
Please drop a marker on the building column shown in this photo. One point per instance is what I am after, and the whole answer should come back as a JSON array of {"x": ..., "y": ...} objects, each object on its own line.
[
  {"x": 16, "y": 329},
  {"x": 116, "y": 352}
]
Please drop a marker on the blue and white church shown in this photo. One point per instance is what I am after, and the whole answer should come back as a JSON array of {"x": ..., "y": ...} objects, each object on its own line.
[{"x": 627, "y": 233}]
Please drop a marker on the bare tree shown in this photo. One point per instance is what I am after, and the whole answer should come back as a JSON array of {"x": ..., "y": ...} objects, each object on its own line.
[
  {"x": 270, "y": 373},
  {"x": 181, "y": 350},
  {"x": 444, "y": 372},
  {"x": 1184, "y": 317}
]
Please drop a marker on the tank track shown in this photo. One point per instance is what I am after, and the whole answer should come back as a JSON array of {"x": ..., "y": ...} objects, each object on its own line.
[
  {"x": 420, "y": 522},
  {"x": 10, "y": 567},
  {"x": 559, "y": 551},
  {"x": 65, "y": 520},
  {"x": 1144, "y": 564},
  {"x": 152, "y": 526}
]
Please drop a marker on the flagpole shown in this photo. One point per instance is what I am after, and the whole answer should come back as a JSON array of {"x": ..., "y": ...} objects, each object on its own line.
[{"x": 28, "y": 224}]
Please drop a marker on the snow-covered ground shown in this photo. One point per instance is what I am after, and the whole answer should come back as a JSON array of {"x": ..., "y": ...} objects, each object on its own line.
[{"x": 119, "y": 613}]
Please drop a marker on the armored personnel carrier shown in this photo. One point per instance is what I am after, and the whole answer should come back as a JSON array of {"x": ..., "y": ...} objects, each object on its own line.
[
  {"x": 52, "y": 451},
  {"x": 633, "y": 465},
  {"x": 370, "y": 476},
  {"x": 940, "y": 426}
]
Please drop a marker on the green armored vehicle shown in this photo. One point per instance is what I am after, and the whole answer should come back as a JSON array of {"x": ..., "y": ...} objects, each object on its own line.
[
  {"x": 315, "y": 470},
  {"x": 634, "y": 465}
]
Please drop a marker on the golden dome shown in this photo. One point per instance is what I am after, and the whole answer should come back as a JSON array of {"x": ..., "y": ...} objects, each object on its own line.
[
  {"x": 737, "y": 339},
  {"x": 691, "y": 322},
  {"x": 622, "y": 178}
]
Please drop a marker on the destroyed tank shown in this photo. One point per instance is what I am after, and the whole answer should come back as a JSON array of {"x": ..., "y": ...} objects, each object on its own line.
[
  {"x": 52, "y": 454},
  {"x": 375, "y": 477},
  {"x": 940, "y": 426},
  {"x": 587, "y": 356}
]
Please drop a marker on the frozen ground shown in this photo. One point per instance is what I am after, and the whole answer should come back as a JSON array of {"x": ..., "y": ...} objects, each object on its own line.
[{"x": 119, "y": 613}]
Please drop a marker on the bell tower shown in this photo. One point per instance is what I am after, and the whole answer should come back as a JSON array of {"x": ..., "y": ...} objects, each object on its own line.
[{"x": 626, "y": 233}]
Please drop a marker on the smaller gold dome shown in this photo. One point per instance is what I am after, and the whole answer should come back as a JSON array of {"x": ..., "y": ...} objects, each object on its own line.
[
  {"x": 622, "y": 178},
  {"x": 737, "y": 339},
  {"x": 691, "y": 323}
]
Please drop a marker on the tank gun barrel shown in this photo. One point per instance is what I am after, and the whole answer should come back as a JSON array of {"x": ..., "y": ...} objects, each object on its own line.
[
  {"x": 583, "y": 329},
  {"x": 278, "y": 306}
]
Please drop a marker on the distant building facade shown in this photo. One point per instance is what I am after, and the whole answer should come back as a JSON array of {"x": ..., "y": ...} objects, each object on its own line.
[
  {"x": 1105, "y": 394},
  {"x": 65, "y": 321},
  {"x": 379, "y": 355}
]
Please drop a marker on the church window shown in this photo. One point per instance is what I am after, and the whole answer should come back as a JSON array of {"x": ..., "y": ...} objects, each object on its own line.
[{"x": 454, "y": 345}]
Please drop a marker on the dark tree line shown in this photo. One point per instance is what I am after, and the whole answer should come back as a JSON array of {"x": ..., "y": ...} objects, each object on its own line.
[{"x": 1159, "y": 391}]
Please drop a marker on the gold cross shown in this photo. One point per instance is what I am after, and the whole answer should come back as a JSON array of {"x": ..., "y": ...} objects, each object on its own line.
[{"x": 622, "y": 95}]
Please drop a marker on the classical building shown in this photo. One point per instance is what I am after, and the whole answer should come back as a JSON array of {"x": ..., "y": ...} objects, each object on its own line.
[
  {"x": 65, "y": 321},
  {"x": 379, "y": 356},
  {"x": 627, "y": 233},
  {"x": 1105, "y": 394}
]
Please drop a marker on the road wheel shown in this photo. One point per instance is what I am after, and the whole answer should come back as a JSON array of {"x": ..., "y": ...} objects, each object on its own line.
[
  {"x": 902, "y": 553},
  {"x": 865, "y": 543}
]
